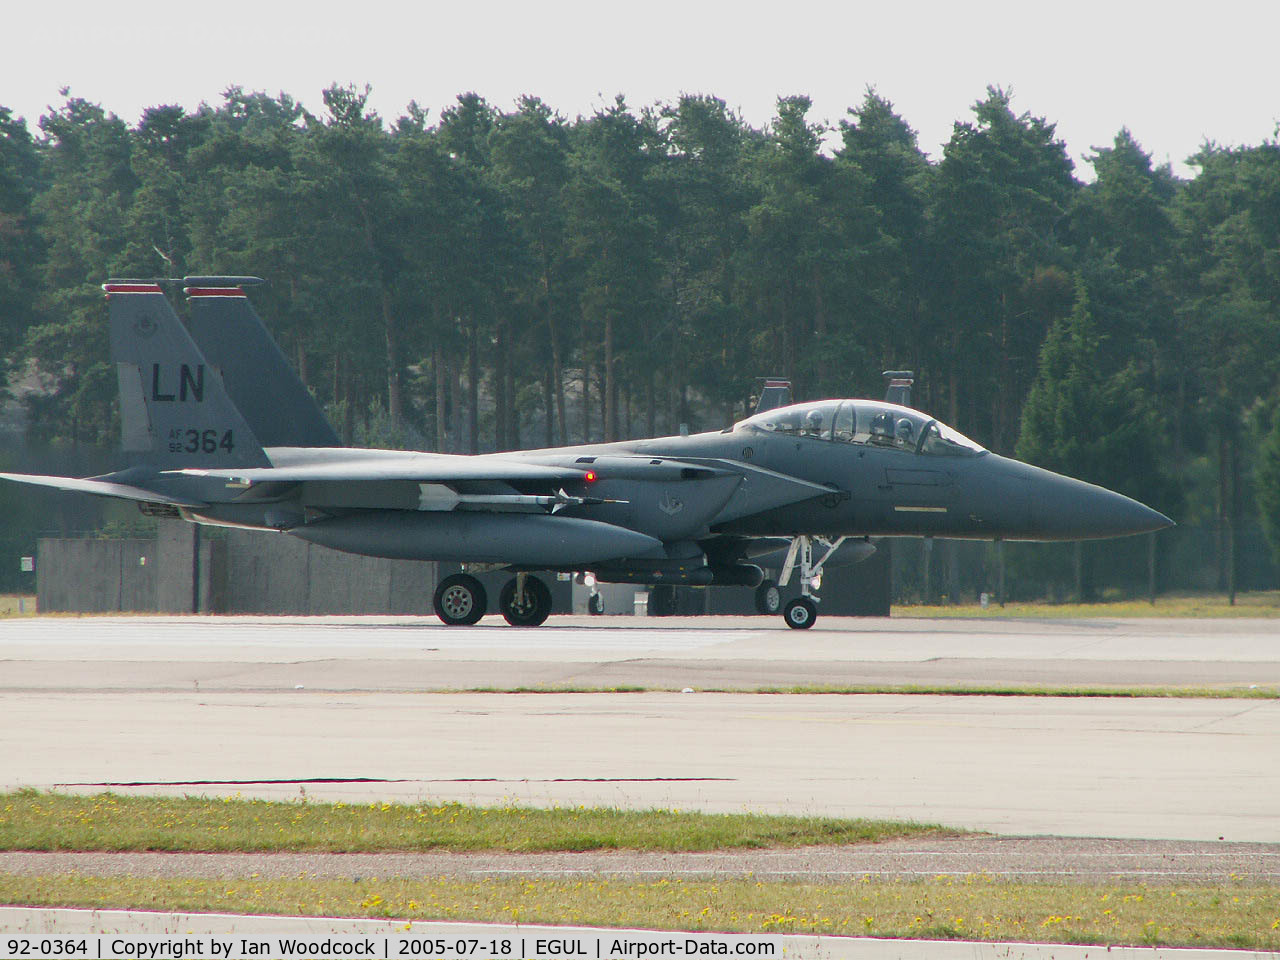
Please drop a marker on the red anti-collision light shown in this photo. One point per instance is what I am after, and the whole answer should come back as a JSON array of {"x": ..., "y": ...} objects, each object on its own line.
[{"x": 591, "y": 476}]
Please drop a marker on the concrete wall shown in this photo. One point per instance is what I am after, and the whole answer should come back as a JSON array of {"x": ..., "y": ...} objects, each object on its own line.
[
  {"x": 246, "y": 571},
  {"x": 96, "y": 576},
  {"x": 258, "y": 572}
]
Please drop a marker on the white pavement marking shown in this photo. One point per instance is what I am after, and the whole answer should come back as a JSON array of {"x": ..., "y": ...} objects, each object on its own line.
[{"x": 68, "y": 923}]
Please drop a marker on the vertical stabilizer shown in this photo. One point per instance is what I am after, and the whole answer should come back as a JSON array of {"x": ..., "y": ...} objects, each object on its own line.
[
  {"x": 773, "y": 394},
  {"x": 899, "y": 389},
  {"x": 231, "y": 335},
  {"x": 174, "y": 410}
]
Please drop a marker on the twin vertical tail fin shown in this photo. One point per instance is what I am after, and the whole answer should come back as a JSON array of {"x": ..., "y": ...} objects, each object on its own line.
[
  {"x": 175, "y": 411},
  {"x": 258, "y": 378}
]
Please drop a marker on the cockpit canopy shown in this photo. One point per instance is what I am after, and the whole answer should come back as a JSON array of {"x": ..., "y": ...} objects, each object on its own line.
[{"x": 866, "y": 421}]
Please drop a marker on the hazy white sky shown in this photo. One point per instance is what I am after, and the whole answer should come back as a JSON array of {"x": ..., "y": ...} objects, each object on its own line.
[{"x": 1175, "y": 74}]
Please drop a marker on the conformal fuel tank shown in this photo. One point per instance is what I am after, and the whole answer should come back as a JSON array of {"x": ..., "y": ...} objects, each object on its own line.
[{"x": 475, "y": 537}]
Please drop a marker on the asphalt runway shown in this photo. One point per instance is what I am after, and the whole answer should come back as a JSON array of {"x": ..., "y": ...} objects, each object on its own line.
[{"x": 344, "y": 708}]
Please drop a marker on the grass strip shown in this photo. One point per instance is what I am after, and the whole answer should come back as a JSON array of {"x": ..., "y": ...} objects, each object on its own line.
[
  {"x": 35, "y": 820},
  {"x": 975, "y": 907}
]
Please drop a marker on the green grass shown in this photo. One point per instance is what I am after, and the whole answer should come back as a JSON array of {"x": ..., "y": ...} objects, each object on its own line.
[
  {"x": 1261, "y": 603},
  {"x": 975, "y": 907},
  {"x": 33, "y": 820}
]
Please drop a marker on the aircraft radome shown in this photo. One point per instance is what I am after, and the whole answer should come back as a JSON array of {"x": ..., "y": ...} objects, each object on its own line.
[{"x": 218, "y": 430}]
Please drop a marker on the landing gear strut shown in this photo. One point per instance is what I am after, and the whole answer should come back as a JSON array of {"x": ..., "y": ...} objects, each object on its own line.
[
  {"x": 802, "y": 612},
  {"x": 525, "y": 601},
  {"x": 460, "y": 600}
]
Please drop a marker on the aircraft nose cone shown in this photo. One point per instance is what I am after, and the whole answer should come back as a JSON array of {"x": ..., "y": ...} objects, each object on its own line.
[{"x": 1067, "y": 509}]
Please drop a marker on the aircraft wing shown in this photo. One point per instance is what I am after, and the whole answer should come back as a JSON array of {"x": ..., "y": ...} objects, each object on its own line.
[
  {"x": 103, "y": 488},
  {"x": 440, "y": 469}
]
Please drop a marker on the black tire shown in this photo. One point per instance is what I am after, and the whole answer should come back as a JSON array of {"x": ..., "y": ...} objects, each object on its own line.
[
  {"x": 535, "y": 609},
  {"x": 460, "y": 600},
  {"x": 595, "y": 604},
  {"x": 662, "y": 600},
  {"x": 768, "y": 598},
  {"x": 800, "y": 613}
]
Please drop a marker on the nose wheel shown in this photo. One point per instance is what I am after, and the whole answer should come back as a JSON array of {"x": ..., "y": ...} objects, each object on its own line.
[
  {"x": 460, "y": 600},
  {"x": 800, "y": 613},
  {"x": 525, "y": 601}
]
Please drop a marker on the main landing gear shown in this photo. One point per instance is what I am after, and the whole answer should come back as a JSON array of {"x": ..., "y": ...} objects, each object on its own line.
[
  {"x": 460, "y": 600},
  {"x": 801, "y": 612},
  {"x": 525, "y": 601},
  {"x": 768, "y": 598}
]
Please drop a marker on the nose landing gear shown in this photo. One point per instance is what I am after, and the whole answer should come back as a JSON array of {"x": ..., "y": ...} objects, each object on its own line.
[{"x": 801, "y": 612}]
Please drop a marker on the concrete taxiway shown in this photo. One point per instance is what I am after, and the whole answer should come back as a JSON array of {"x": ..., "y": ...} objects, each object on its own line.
[
  {"x": 725, "y": 653},
  {"x": 342, "y": 708}
]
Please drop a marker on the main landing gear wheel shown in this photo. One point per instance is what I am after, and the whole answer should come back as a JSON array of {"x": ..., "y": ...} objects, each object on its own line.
[
  {"x": 800, "y": 613},
  {"x": 662, "y": 600},
  {"x": 460, "y": 600},
  {"x": 768, "y": 598},
  {"x": 529, "y": 610}
]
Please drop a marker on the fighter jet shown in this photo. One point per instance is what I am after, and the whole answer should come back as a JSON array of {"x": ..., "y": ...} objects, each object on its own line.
[{"x": 219, "y": 430}]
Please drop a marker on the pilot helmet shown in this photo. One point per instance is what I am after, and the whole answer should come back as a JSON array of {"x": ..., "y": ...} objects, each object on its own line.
[
  {"x": 813, "y": 421},
  {"x": 906, "y": 430}
]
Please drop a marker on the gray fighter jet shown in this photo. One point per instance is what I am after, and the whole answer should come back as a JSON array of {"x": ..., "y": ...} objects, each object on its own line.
[{"x": 220, "y": 431}]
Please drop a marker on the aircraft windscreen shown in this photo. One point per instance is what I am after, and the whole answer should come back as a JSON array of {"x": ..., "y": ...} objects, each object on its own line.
[{"x": 869, "y": 422}]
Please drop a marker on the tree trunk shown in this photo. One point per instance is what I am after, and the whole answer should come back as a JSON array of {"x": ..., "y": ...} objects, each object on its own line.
[
  {"x": 513, "y": 407},
  {"x": 348, "y": 407},
  {"x": 1234, "y": 466},
  {"x": 1224, "y": 511},
  {"x": 1151, "y": 568},
  {"x": 473, "y": 386},
  {"x": 501, "y": 400},
  {"x": 557, "y": 362},
  {"x": 610, "y": 385},
  {"x": 337, "y": 382},
  {"x": 586, "y": 401},
  {"x": 395, "y": 403},
  {"x": 441, "y": 375},
  {"x": 548, "y": 407},
  {"x": 650, "y": 406},
  {"x": 953, "y": 391}
]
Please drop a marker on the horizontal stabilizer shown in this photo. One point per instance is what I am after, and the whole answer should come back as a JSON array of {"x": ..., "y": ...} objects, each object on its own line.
[{"x": 103, "y": 488}]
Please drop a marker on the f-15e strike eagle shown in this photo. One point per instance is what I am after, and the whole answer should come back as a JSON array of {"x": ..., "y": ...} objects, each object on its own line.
[{"x": 220, "y": 431}]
